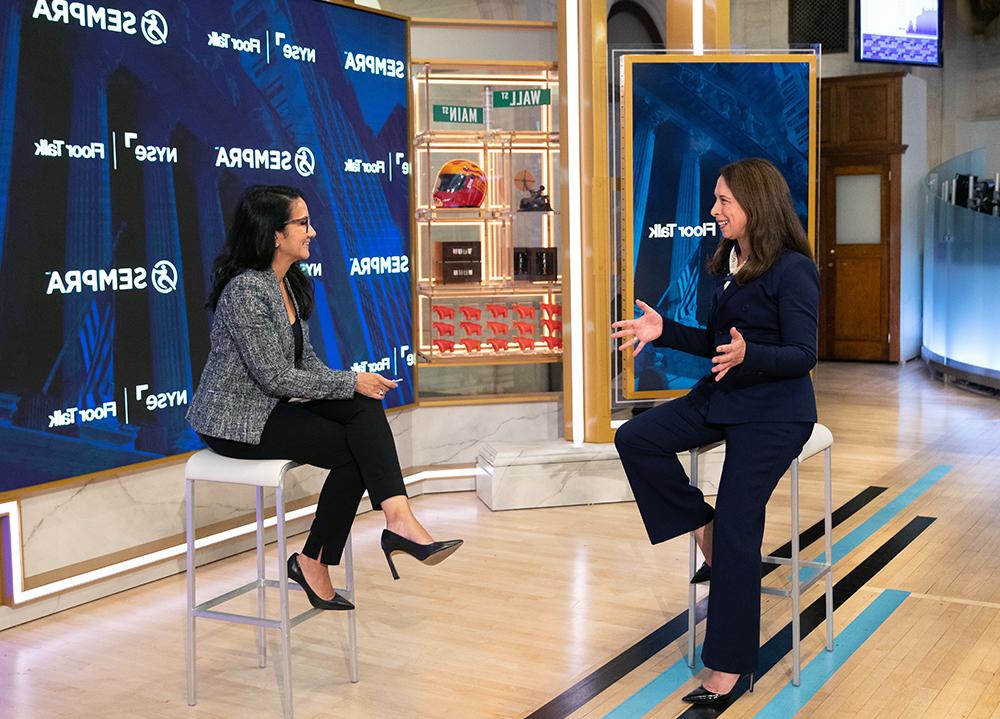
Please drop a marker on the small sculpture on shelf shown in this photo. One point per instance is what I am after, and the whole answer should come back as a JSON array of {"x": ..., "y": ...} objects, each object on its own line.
[{"x": 536, "y": 199}]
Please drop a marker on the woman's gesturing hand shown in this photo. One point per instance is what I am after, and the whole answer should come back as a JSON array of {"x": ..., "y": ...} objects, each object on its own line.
[
  {"x": 729, "y": 355},
  {"x": 373, "y": 385},
  {"x": 639, "y": 331}
]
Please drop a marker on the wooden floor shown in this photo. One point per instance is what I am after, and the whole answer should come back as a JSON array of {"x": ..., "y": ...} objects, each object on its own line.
[{"x": 538, "y": 599}]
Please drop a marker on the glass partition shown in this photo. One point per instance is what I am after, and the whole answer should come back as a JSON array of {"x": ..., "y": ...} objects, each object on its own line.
[{"x": 961, "y": 275}]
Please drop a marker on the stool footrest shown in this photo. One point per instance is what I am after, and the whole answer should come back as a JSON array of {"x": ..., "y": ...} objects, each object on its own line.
[
  {"x": 251, "y": 619},
  {"x": 784, "y": 561},
  {"x": 275, "y": 584},
  {"x": 803, "y": 586},
  {"x": 222, "y": 598}
]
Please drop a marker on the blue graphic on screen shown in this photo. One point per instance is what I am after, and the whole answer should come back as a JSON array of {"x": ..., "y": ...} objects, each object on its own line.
[
  {"x": 689, "y": 120},
  {"x": 126, "y": 136}
]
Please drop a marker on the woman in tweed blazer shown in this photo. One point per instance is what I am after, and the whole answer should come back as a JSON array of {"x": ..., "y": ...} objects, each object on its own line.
[{"x": 264, "y": 394}]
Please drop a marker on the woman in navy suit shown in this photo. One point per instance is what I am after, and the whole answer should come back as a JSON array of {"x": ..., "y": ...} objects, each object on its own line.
[{"x": 758, "y": 397}]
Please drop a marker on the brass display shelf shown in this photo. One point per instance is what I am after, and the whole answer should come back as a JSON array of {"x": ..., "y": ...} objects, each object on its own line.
[
  {"x": 456, "y": 400},
  {"x": 518, "y": 289},
  {"x": 490, "y": 357},
  {"x": 462, "y": 214},
  {"x": 520, "y": 139},
  {"x": 502, "y": 151}
]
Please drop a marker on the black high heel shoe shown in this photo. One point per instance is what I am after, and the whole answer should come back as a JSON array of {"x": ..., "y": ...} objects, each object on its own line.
[
  {"x": 704, "y": 574},
  {"x": 432, "y": 553},
  {"x": 704, "y": 697},
  {"x": 338, "y": 603}
]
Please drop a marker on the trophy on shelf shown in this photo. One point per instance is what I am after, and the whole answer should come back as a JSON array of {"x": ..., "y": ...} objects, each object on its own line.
[{"x": 536, "y": 199}]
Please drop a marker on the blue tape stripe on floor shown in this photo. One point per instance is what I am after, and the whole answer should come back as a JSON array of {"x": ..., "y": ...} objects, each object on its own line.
[
  {"x": 787, "y": 702},
  {"x": 857, "y": 536},
  {"x": 646, "y": 699}
]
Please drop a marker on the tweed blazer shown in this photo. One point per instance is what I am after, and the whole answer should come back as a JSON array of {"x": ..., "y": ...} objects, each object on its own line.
[{"x": 251, "y": 363}]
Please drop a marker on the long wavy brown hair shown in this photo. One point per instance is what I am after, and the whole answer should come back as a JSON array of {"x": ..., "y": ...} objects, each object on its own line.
[{"x": 772, "y": 225}]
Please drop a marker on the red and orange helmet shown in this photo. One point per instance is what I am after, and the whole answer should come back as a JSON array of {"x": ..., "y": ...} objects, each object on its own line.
[{"x": 460, "y": 183}]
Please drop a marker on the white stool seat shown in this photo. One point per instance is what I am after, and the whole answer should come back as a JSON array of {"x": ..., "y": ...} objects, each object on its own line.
[
  {"x": 207, "y": 466},
  {"x": 821, "y": 440}
]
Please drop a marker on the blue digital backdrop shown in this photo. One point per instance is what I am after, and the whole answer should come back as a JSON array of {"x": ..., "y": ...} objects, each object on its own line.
[
  {"x": 127, "y": 134},
  {"x": 688, "y": 120}
]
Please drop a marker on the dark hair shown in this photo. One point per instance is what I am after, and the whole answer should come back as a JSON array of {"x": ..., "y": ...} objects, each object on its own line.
[
  {"x": 262, "y": 211},
  {"x": 772, "y": 225}
]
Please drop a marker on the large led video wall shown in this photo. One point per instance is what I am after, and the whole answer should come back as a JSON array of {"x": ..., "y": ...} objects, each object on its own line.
[{"x": 128, "y": 130}]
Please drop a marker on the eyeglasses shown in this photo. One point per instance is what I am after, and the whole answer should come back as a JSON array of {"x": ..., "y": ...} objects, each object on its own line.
[{"x": 302, "y": 221}]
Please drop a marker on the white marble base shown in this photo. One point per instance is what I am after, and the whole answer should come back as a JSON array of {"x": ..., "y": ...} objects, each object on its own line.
[
  {"x": 106, "y": 519},
  {"x": 522, "y": 475}
]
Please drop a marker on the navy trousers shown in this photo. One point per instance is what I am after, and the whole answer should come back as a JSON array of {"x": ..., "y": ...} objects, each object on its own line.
[{"x": 757, "y": 455}]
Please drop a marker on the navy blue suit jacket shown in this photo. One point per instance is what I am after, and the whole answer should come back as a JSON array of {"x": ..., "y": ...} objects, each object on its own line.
[{"x": 777, "y": 314}]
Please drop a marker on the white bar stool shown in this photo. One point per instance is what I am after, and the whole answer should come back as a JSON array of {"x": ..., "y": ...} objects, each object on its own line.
[
  {"x": 207, "y": 466},
  {"x": 821, "y": 440}
]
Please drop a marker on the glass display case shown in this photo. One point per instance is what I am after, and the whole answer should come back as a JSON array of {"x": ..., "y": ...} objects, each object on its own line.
[
  {"x": 486, "y": 230},
  {"x": 961, "y": 264}
]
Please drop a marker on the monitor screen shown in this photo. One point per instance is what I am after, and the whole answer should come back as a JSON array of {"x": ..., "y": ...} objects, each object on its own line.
[
  {"x": 905, "y": 31},
  {"x": 128, "y": 131}
]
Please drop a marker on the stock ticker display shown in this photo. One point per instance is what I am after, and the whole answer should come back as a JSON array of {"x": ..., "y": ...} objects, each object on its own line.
[{"x": 127, "y": 134}]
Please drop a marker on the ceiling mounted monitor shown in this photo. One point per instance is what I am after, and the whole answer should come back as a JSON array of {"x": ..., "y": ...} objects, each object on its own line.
[{"x": 906, "y": 32}]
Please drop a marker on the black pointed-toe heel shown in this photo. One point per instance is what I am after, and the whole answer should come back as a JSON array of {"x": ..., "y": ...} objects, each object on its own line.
[
  {"x": 704, "y": 574},
  {"x": 432, "y": 553},
  {"x": 704, "y": 697},
  {"x": 338, "y": 603}
]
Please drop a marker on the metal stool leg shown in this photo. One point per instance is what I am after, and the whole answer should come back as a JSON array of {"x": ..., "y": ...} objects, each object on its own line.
[
  {"x": 261, "y": 578},
  {"x": 352, "y": 625},
  {"x": 828, "y": 541},
  {"x": 190, "y": 646},
  {"x": 692, "y": 568},
  {"x": 286, "y": 628},
  {"x": 796, "y": 629}
]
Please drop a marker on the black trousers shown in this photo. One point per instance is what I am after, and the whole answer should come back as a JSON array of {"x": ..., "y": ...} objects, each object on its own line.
[
  {"x": 757, "y": 454},
  {"x": 351, "y": 438}
]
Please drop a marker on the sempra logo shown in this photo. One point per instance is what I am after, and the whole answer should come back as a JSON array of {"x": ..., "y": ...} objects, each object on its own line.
[
  {"x": 163, "y": 277},
  {"x": 154, "y": 27},
  {"x": 257, "y": 159},
  {"x": 109, "y": 19},
  {"x": 305, "y": 161},
  {"x": 391, "y": 265},
  {"x": 386, "y": 66}
]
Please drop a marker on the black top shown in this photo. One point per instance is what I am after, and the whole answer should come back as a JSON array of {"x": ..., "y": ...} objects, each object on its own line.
[{"x": 297, "y": 331}]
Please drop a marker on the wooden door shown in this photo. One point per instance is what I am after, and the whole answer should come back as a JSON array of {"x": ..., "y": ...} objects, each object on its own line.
[{"x": 854, "y": 260}]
